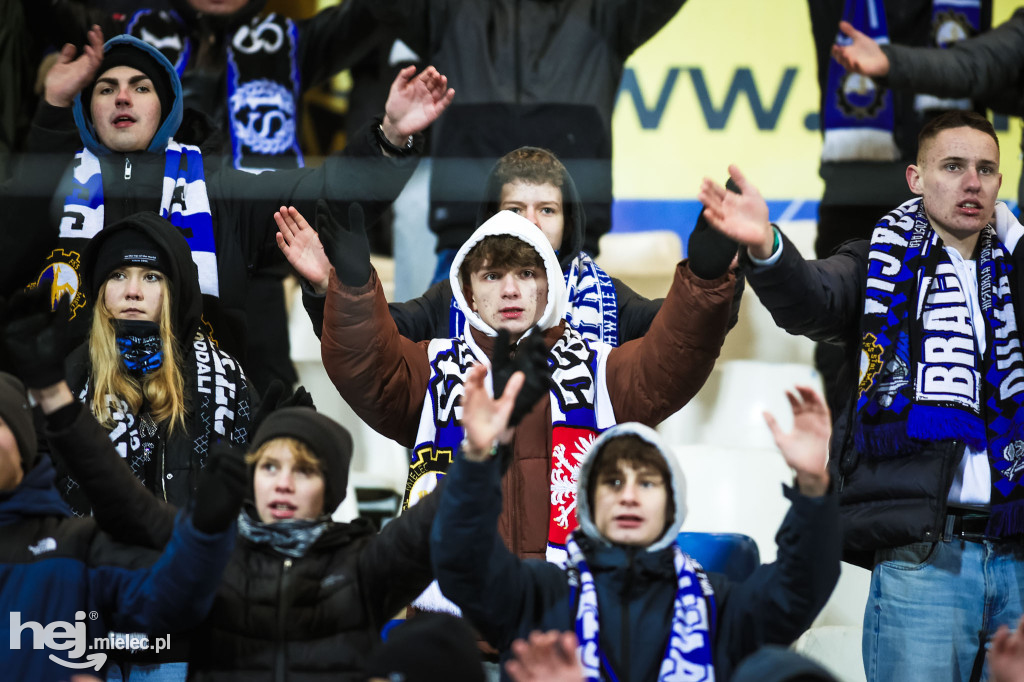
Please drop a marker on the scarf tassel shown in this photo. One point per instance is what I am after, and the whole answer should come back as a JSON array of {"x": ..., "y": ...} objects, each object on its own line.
[{"x": 1006, "y": 520}]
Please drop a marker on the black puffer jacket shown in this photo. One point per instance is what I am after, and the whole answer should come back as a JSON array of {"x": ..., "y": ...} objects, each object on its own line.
[{"x": 883, "y": 502}]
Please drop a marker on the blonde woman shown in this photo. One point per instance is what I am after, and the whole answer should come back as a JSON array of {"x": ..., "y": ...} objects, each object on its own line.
[{"x": 150, "y": 371}]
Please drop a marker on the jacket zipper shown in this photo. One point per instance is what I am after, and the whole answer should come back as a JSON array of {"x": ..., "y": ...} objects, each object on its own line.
[
  {"x": 163, "y": 469},
  {"x": 281, "y": 673},
  {"x": 627, "y": 588},
  {"x": 127, "y": 168}
]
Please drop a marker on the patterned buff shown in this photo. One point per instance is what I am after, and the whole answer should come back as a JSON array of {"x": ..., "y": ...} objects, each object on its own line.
[
  {"x": 952, "y": 21},
  {"x": 688, "y": 654},
  {"x": 920, "y": 376},
  {"x": 262, "y": 79},
  {"x": 140, "y": 346},
  {"x": 593, "y": 303},
  {"x": 183, "y": 202},
  {"x": 292, "y": 537},
  {"x": 857, "y": 111}
]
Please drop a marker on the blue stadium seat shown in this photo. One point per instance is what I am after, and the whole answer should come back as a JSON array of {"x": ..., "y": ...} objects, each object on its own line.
[{"x": 732, "y": 554}]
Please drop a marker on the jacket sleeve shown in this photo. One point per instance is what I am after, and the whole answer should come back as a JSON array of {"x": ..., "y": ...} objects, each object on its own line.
[
  {"x": 412, "y": 20},
  {"x": 361, "y": 173},
  {"x": 175, "y": 593},
  {"x": 652, "y": 377},
  {"x": 395, "y": 566},
  {"x": 631, "y": 23},
  {"x": 987, "y": 67},
  {"x": 123, "y": 508},
  {"x": 380, "y": 374},
  {"x": 781, "y": 599},
  {"x": 334, "y": 39},
  {"x": 821, "y": 299},
  {"x": 501, "y": 594},
  {"x": 425, "y": 317}
]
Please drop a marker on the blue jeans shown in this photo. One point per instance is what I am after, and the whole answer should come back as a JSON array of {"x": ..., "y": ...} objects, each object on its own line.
[
  {"x": 158, "y": 672},
  {"x": 932, "y": 605}
]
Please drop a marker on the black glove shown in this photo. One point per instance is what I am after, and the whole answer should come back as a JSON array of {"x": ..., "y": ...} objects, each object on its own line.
[
  {"x": 222, "y": 487},
  {"x": 711, "y": 252},
  {"x": 276, "y": 397},
  {"x": 35, "y": 337},
  {"x": 347, "y": 248},
  {"x": 531, "y": 358}
]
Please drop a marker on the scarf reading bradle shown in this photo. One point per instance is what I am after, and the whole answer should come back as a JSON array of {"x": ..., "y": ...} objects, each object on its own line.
[
  {"x": 262, "y": 81},
  {"x": 688, "y": 653},
  {"x": 920, "y": 375},
  {"x": 214, "y": 384},
  {"x": 593, "y": 303},
  {"x": 183, "y": 201}
]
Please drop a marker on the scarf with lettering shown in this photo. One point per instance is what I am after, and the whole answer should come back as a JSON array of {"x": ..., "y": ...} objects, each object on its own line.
[
  {"x": 217, "y": 392},
  {"x": 263, "y": 83},
  {"x": 688, "y": 655},
  {"x": 580, "y": 410},
  {"x": 921, "y": 376},
  {"x": 952, "y": 21},
  {"x": 857, "y": 112},
  {"x": 593, "y": 303}
]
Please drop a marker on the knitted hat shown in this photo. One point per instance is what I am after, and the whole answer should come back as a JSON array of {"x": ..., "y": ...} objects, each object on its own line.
[
  {"x": 330, "y": 442},
  {"x": 125, "y": 248},
  {"x": 428, "y": 647},
  {"x": 16, "y": 413},
  {"x": 128, "y": 55}
]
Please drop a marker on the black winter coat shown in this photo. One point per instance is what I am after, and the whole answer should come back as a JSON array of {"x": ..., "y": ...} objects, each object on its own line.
[{"x": 883, "y": 502}]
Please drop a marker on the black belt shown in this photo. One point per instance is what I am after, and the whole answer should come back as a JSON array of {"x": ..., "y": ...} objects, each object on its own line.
[{"x": 967, "y": 525}]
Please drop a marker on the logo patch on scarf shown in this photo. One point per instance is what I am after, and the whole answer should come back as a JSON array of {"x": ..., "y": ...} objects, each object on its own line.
[
  {"x": 61, "y": 276},
  {"x": 870, "y": 362},
  {"x": 569, "y": 449},
  {"x": 263, "y": 116},
  {"x": 859, "y": 97}
]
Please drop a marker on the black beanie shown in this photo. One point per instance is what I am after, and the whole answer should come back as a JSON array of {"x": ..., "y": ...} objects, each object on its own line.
[
  {"x": 428, "y": 647},
  {"x": 124, "y": 248},
  {"x": 17, "y": 414},
  {"x": 330, "y": 442},
  {"x": 129, "y": 55}
]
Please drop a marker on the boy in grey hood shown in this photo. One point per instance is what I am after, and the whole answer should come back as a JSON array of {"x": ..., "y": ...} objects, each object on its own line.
[{"x": 641, "y": 608}]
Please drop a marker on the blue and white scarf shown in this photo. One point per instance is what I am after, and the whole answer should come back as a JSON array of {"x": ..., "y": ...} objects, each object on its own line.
[
  {"x": 921, "y": 376},
  {"x": 593, "y": 308},
  {"x": 952, "y": 21},
  {"x": 183, "y": 201},
  {"x": 263, "y": 83},
  {"x": 688, "y": 656},
  {"x": 857, "y": 111}
]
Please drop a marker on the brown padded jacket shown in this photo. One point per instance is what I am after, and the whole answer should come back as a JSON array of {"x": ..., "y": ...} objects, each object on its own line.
[{"x": 383, "y": 377}]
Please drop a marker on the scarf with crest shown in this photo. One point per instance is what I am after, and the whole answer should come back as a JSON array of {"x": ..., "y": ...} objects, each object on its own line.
[{"x": 922, "y": 378}]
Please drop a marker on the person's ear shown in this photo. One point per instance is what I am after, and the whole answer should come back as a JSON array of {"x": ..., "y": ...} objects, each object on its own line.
[{"x": 914, "y": 179}]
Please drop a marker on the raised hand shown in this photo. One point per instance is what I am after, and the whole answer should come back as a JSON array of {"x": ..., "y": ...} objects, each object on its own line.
[
  {"x": 35, "y": 336},
  {"x": 741, "y": 217},
  {"x": 545, "y": 657},
  {"x": 70, "y": 74},
  {"x": 531, "y": 359},
  {"x": 484, "y": 419},
  {"x": 805, "y": 448},
  {"x": 414, "y": 102},
  {"x": 863, "y": 55},
  {"x": 1006, "y": 654},
  {"x": 221, "y": 489},
  {"x": 347, "y": 248},
  {"x": 301, "y": 246}
]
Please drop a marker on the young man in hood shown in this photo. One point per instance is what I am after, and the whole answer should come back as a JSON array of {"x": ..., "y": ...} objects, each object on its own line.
[
  {"x": 63, "y": 575},
  {"x": 641, "y": 608},
  {"x": 534, "y": 183},
  {"x": 929, "y": 452},
  {"x": 411, "y": 392},
  {"x": 126, "y": 107}
]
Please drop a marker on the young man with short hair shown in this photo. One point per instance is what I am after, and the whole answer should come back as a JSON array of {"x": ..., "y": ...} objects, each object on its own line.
[
  {"x": 507, "y": 278},
  {"x": 641, "y": 608},
  {"x": 928, "y": 452}
]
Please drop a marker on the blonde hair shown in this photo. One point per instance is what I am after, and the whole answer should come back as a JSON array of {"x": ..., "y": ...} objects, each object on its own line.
[
  {"x": 163, "y": 389},
  {"x": 302, "y": 454}
]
